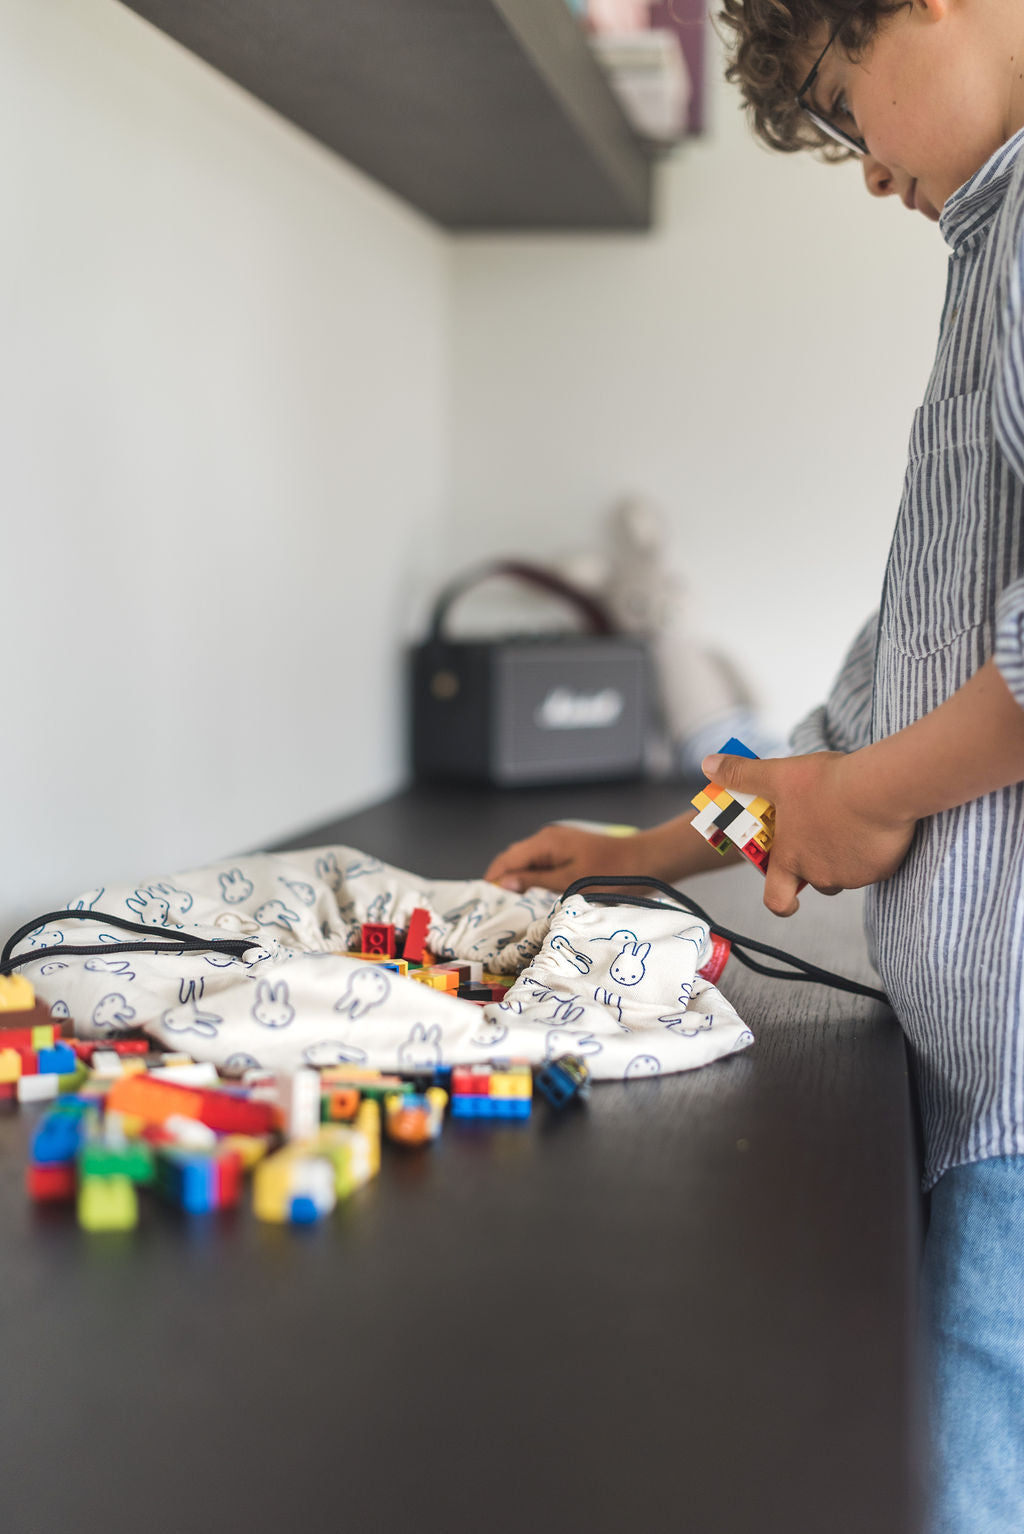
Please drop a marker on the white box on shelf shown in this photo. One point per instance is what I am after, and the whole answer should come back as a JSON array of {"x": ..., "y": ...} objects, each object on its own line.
[{"x": 648, "y": 73}]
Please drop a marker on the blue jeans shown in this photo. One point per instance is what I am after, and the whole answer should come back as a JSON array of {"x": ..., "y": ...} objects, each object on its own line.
[{"x": 974, "y": 1310}]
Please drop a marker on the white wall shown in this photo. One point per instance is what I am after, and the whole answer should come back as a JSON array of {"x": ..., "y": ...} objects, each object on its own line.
[
  {"x": 223, "y": 438},
  {"x": 753, "y": 365}
]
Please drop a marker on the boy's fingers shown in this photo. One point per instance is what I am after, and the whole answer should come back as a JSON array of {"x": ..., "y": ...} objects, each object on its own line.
[
  {"x": 517, "y": 859},
  {"x": 743, "y": 773},
  {"x": 780, "y": 890}
]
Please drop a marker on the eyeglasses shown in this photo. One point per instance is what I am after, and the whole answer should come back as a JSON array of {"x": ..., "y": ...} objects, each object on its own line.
[{"x": 832, "y": 129}]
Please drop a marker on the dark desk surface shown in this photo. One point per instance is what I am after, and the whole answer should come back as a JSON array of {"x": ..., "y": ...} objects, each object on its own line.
[{"x": 688, "y": 1307}]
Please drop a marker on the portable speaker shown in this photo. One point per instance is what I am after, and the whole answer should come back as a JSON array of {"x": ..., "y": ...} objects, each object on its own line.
[{"x": 570, "y": 708}]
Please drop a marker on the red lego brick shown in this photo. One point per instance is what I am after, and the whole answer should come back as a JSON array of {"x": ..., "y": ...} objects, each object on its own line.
[
  {"x": 471, "y": 1081},
  {"x": 56, "y": 1183},
  {"x": 416, "y": 937},
  {"x": 378, "y": 937},
  {"x": 232, "y": 1115},
  {"x": 228, "y": 1174},
  {"x": 29, "y": 1060}
]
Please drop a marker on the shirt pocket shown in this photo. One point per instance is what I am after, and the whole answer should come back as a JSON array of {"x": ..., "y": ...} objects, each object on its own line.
[{"x": 936, "y": 577}]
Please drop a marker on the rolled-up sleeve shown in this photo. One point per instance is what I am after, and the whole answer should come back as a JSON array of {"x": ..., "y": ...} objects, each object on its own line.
[{"x": 843, "y": 721}]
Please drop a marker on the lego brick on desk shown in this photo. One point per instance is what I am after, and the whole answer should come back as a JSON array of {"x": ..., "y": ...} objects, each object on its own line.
[
  {"x": 152, "y": 1101},
  {"x": 107, "y": 1204},
  {"x": 37, "y": 1016},
  {"x": 40, "y": 1037},
  {"x": 471, "y": 1080},
  {"x": 369, "y": 1083},
  {"x": 199, "y": 1181},
  {"x": 414, "y": 1118},
  {"x": 58, "y": 1058},
  {"x": 52, "y": 1182},
  {"x": 351, "y": 1153},
  {"x": 10, "y": 1066},
  {"x": 564, "y": 1080},
  {"x": 378, "y": 938},
  {"x": 57, "y": 1137},
  {"x": 339, "y": 1104},
  {"x": 512, "y": 1080},
  {"x": 16, "y": 994},
  {"x": 416, "y": 936},
  {"x": 469, "y": 1106}
]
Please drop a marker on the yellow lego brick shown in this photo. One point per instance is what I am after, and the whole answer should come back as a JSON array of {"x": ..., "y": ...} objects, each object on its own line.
[
  {"x": 107, "y": 1203},
  {"x": 10, "y": 1066},
  {"x": 368, "y": 1123},
  {"x": 721, "y": 796},
  {"x": 251, "y": 1148},
  {"x": 43, "y": 1036},
  {"x": 700, "y": 801},
  {"x": 131, "y": 1065},
  {"x": 16, "y": 994},
  {"x": 513, "y": 1083},
  {"x": 272, "y": 1185},
  {"x": 759, "y": 806},
  {"x": 763, "y": 839}
]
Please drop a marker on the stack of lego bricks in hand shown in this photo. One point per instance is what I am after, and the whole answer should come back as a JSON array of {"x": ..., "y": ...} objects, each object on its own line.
[{"x": 744, "y": 821}]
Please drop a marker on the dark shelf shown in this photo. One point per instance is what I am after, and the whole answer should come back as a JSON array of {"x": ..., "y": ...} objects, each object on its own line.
[{"x": 484, "y": 114}]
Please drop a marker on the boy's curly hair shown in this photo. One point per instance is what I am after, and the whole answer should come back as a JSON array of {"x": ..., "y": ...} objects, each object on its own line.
[{"x": 771, "y": 51}]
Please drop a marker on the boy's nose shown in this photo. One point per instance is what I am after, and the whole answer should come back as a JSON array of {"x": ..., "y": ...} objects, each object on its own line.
[{"x": 878, "y": 178}]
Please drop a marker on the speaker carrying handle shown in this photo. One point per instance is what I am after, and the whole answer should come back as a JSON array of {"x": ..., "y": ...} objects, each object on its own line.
[{"x": 588, "y": 607}]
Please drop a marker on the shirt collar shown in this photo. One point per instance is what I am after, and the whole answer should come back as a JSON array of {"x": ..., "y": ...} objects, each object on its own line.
[{"x": 973, "y": 204}]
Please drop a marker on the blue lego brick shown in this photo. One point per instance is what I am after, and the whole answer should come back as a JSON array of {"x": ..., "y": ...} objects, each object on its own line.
[
  {"x": 563, "y": 1081},
  {"x": 555, "y": 1086},
  {"x": 303, "y": 1210},
  {"x": 472, "y": 1106},
  {"x": 189, "y": 1179},
  {"x": 57, "y": 1060},
  {"x": 734, "y": 747},
  {"x": 56, "y": 1139}
]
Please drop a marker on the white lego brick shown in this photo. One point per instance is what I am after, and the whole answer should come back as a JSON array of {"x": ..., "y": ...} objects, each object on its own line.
[
  {"x": 198, "y": 1073},
  {"x": 299, "y": 1097},
  {"x": 107, "y": 1062},
  {"x": 190, "y": 1132},
  {"x": 313, "y": 1178},
  {"x": 704, "y": 822},
  {"x": 743, "y": 828},
  {"x": 38, "y": 1089}
]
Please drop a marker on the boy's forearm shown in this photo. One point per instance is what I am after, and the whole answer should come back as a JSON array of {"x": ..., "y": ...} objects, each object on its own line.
[
  {"x": 969, "y": 746},
  {"x": 674, "y": 850}
]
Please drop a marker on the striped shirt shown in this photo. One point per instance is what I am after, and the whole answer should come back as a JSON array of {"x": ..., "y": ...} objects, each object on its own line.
[{"x": 947, "y": 930}]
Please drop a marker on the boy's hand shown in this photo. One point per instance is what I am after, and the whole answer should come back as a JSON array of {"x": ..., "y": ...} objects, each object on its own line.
[
  {"x": 555, "y": 856},
  {"x": 830, "y": 829}
]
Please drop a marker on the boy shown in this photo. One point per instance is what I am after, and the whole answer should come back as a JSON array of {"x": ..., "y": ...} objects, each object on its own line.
[{"x": 911, "y": 778}]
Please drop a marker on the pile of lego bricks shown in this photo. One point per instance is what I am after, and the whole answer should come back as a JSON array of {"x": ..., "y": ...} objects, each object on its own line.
[
  {"x": 121, "y": 1117},
  {"x": 380, "y": 943}
]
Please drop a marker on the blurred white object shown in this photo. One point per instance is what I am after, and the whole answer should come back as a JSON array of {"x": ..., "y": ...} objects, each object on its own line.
[
  {"x": 704, "y": 698},
  {"x": 618, "y": 15},
  {"x": 648, "y": 73}
]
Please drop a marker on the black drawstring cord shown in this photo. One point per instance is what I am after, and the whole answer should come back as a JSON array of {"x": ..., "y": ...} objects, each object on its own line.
[
  {"x": 236, "y": 948},
  {"x": 807, "y": 970},
  {"x": 181, "y": 941}
]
